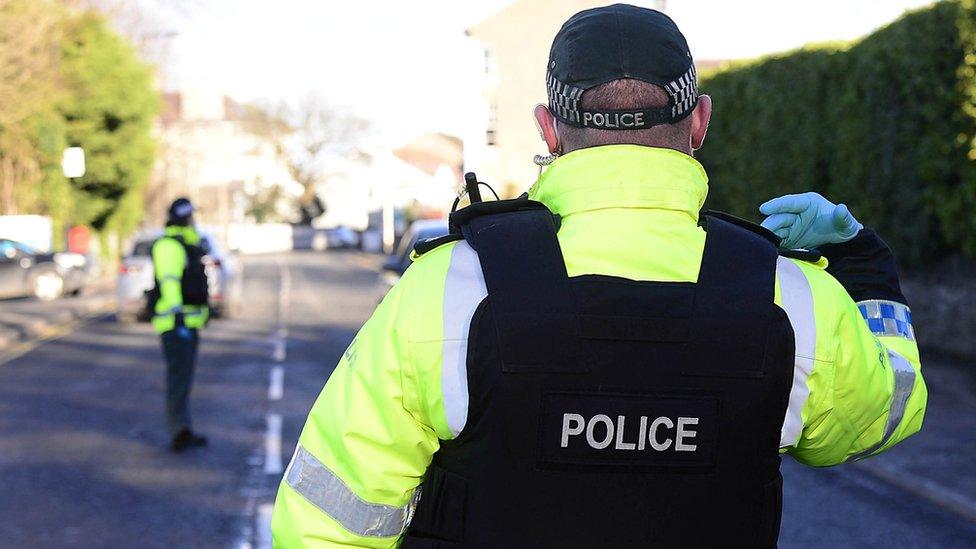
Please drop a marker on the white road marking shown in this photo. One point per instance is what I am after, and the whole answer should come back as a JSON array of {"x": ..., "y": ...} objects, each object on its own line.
[
  {"x": 276, "y": 389},
  {"x": 263, "y": 526},
  {"x": 256, "y": 532},
  {"x": 279, "y": 352},
  {"x": 272, "y": 446}
]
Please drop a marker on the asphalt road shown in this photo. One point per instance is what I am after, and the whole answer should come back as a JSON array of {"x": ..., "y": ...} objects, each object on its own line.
[{"x": 84, "y": 458}]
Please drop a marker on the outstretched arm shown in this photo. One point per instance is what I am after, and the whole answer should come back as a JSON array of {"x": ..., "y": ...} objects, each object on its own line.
[
  {"x": 363, "y": 450},
  {"x": 860, "y": 389}
]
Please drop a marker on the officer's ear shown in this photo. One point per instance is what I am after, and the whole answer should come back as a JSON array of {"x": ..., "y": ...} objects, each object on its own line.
[
  {"x": 699, "y": 121},
  {"x": 546, "y": 123}
]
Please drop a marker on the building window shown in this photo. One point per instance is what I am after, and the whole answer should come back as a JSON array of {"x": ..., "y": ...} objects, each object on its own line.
[{"x": 490, "y": 137}]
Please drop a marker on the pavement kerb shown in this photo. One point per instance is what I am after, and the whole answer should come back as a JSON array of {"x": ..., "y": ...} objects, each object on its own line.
[
  {"x": 19, "y": 329},
  {"x": 930, "y": 490}
]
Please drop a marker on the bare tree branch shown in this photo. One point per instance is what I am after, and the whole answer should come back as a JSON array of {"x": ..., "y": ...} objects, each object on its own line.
[{"x": 307, "y": 138}]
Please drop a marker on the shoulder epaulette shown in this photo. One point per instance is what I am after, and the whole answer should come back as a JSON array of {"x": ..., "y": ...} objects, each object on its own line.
[
  {"x": 428, "y": 244},
  {"x": 747, "y": 225},
  {"x": 811, "y": 256},
  {"x": 459, "y": 218}
]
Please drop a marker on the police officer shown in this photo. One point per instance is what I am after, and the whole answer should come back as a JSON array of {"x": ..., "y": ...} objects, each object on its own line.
[
  {"x": 587, "y": 366},
  {"x": 179, "y": 304}
]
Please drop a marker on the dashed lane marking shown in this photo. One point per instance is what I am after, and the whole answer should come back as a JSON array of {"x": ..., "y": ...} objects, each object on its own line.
[
  {"x": 256, "y": 532},
  {"x": 279, "y": 351},
  {"x": 276, "y": 388},
  {"x": 272, "y": 446},
  {"x": 263, "y": 526}
]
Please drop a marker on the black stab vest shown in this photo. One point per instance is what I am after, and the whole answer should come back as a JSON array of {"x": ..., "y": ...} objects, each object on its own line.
[
  {"x": 193, "y": 284},
  {"x": 605, "y": 412}
]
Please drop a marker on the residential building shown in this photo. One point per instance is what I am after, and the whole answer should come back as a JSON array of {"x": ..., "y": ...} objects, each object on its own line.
[{"x": 208, "y": 153}]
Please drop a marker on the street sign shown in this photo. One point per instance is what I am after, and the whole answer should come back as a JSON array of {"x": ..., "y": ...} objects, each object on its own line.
[{"x": 73, "y": 162}]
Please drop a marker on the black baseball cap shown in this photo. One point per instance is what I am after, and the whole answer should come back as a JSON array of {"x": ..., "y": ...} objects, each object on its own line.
[
  {"x": 609, "y": 43},
  {"x": 180, "y": 210}
]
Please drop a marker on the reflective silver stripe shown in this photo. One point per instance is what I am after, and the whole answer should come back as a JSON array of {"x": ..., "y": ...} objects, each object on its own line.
[
  {"x": 904, "y": 375},
  {"x": 797, "y": 300},
  {"x": 172, "y": 277},
  {"x": 887, "y": 318},
  {"x": 464, "y": 289},
  {"x": 181, "y": 310},
  {"x": 322, "y": 488}
]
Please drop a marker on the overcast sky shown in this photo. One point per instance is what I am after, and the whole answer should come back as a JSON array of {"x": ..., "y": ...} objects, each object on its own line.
[{"x": 363, "y": 53}]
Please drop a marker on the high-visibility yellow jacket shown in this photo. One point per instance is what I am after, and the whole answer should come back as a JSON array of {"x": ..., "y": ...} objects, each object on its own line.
[
  {"x": 627, "y": 211},
  {"x": 169, "y": 261}
]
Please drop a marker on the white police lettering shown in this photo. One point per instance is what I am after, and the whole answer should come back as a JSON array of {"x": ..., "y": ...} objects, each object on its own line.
[
  {"x": 574, "y": 430},
  {"x": 656, "y": 432},
  {"x": 683, "y": 433},
  {"x": 613, "y": 120},
  {"x": 620, "y": 444},
  {"x": 655, "y": 443},
  {"x": 601, "y": 418}
]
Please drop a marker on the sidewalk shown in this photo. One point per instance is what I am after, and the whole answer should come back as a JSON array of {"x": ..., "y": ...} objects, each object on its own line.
[{"x": 27, "y": 319}]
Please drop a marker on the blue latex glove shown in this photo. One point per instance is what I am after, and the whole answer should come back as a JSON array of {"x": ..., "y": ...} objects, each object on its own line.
[{"x": 808, "y": 220}]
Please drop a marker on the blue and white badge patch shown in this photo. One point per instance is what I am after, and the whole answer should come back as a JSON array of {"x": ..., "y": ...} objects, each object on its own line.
[
  {"x": 887, "y": 318},
  {"x": 592, "y": 429}
]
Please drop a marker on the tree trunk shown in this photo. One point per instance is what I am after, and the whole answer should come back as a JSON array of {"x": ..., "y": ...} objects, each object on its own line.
[{"x": 8, "y": 176}]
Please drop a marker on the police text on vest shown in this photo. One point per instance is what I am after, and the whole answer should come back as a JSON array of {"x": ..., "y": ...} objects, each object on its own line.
[{"x": 601, "y": 431}]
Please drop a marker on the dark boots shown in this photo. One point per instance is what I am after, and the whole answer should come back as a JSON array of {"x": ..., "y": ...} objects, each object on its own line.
[{"x": 187, "y": 439}]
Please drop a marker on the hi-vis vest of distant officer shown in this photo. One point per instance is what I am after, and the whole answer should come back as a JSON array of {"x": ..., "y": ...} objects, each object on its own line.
[
  {"x": 587, "y": 367},
  {"x": 181, "y": 280}
]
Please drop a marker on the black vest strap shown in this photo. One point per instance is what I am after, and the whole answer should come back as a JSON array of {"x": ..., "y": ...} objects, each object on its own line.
[
  {"x": 528, "y": 290},
  {"x": 737, "y": 263},
  {"x": 736, "y": 284}
]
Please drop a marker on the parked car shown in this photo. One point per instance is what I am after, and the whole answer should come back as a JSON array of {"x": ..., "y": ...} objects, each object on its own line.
[
  {"x": 26, "y": 272},
  {"x": 396, "y": 264},
  {"x": 136, "y": 279},
  {"x": 335, "y": 238}
]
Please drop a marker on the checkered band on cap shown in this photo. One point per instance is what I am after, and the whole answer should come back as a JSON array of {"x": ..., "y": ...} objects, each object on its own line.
[
  {"x": 563, "y": 99},
  {"x": 684, "y": 92}
]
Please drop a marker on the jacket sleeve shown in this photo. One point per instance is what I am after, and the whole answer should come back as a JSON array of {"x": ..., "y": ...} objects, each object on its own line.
[
  {"x": 169, "y": 260},
  {"x": 864, "y": 382},
  {"x": 364, "y": 448}
]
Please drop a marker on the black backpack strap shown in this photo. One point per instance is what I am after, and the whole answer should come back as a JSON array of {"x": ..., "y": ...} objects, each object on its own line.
[{"x": 535, "y": 312}]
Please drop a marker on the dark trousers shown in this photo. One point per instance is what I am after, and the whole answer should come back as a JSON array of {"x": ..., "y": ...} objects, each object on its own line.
[{"x": 181, "y": 358}]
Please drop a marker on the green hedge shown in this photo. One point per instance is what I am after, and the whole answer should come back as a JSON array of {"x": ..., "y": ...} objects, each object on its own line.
[{"x": 886, "y": 125}]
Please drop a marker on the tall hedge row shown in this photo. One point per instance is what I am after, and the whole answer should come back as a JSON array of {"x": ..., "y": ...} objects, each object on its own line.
[{"x": 886, "y": 124}]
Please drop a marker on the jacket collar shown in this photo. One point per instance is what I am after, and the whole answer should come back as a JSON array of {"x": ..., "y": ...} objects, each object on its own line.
[
  {"x": 189, "y": 234},
  {"x": 623, "y": 176}
]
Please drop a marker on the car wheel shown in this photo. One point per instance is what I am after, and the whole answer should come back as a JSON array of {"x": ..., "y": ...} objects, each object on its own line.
[{"x": 47, "y": 285}]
